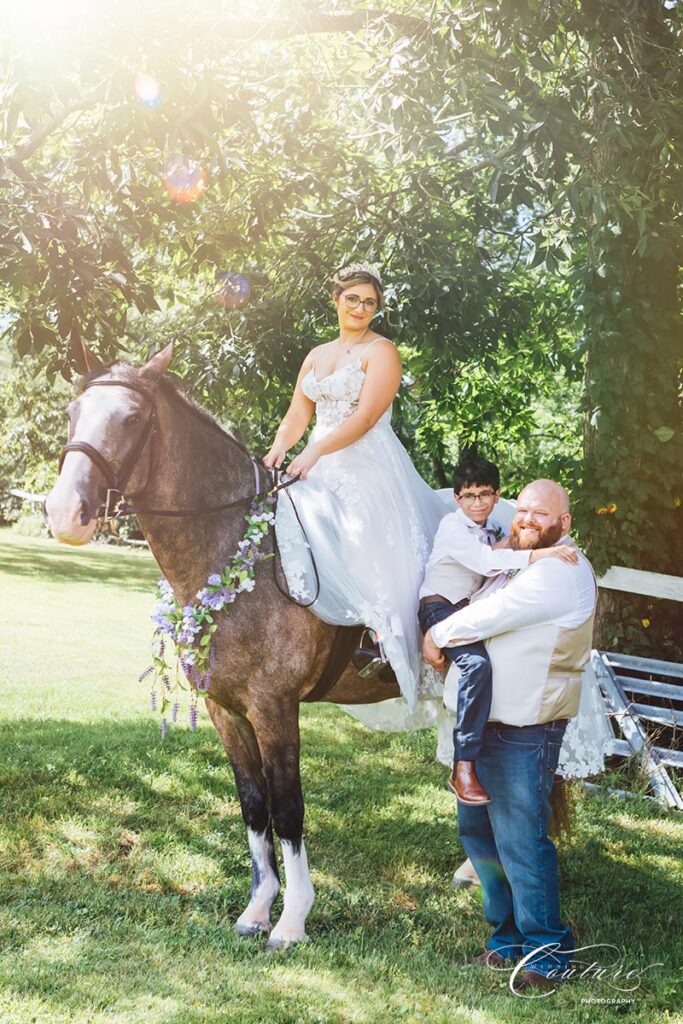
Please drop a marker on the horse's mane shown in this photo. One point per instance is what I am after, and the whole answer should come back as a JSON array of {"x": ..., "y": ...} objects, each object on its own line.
[{"x": 170, "y": 388}]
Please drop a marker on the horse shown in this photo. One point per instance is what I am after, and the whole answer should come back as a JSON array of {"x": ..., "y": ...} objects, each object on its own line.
[{"x": 133, "y": 430}]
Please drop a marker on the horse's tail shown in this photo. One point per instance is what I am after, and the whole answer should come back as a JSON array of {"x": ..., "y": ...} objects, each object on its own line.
[{"x": 561, "y": 824}]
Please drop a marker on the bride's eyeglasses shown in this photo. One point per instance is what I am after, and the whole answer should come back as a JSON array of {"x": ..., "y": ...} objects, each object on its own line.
[{"x": 352, "y": 301}]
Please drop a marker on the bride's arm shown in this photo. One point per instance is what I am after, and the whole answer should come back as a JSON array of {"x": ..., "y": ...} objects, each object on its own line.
[
  {"x": 382, "y": 381},
  {"x": 294, "y": 423}
]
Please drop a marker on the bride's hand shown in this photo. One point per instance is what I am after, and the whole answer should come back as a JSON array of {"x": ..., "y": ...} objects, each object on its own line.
[
  {"x": 274, "y": 458},
  {"x": 302, "y": 465}
]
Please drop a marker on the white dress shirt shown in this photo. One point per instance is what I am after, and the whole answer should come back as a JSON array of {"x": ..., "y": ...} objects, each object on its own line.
[
  {"x": 461, "y": 558},
  {"x": 548, "y": 591}
]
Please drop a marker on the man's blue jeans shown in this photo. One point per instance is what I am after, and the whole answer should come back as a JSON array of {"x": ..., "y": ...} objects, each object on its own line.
[{"x": 507, "y": 841}]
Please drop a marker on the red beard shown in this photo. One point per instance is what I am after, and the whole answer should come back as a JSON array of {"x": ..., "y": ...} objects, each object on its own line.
[{"x": 530, "y": 539}]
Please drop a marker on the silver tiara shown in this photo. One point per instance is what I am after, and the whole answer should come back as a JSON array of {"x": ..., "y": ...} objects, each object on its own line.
[{"x": 361, "y": 268}]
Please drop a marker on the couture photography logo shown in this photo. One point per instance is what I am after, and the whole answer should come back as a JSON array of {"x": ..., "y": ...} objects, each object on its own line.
[{"x": 600, "y": 964}]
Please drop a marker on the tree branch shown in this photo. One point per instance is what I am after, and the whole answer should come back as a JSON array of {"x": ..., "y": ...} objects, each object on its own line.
[
  {"x": 48, "y": 126},
  {"x": 307, "y": 22}
]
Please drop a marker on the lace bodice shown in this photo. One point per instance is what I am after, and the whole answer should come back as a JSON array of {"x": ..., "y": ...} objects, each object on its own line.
[{"x": 336, "y": 395}]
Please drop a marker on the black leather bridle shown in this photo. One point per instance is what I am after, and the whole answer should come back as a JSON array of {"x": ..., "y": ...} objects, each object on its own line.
[
  {"x": 116, "y": 482},
  {"x": 115, "y": 505}
]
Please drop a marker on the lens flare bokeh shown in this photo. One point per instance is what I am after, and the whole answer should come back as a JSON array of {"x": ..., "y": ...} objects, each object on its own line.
[
  {"x": 185, "y": 180},
  {"x": 147, "y": 90},
  {"x": 233, "y": 291}
]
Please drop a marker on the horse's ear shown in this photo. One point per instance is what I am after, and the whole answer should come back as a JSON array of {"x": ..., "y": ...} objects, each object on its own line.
[
  {"x": 85, "y": 360},
  {"x": 158, "y": 364}
]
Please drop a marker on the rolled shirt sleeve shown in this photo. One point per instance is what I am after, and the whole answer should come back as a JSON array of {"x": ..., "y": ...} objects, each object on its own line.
[
  {"x": 462, "y": 545},
  {"x": 546, "y": 592}
]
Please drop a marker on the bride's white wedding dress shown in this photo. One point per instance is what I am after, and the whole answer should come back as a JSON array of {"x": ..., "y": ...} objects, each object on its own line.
[{"x": 370, "y": 520}]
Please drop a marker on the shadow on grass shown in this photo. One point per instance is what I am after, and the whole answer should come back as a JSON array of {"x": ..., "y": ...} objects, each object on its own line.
[
  {"x": 135, "y": 850},
  {"x": 59, "y": 564}
]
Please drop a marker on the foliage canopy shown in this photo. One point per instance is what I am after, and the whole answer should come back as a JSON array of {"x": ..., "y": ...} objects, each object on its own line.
[{"x": 515, "y": 168}]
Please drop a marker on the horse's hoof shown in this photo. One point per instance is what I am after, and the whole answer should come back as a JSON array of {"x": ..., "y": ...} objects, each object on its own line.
[
  {"x": 462, "y": 883},
  {"x": 250, "y": 931},
  {"x": 282, "y": 945}
]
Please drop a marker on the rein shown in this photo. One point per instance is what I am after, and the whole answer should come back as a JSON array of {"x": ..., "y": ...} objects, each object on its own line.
[{"x": 119, "y": 508}]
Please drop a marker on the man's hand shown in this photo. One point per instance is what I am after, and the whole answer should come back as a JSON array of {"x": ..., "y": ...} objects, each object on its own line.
[{"x": 431, "y": 653}]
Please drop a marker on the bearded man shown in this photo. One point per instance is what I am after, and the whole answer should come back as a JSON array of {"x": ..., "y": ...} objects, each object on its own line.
[{"x": 538, "y": 626}]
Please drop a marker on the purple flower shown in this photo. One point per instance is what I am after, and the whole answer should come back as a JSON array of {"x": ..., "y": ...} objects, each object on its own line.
[
  {"x": 193, "y": 717},
  {"x": 153, "y": 700},
  {"x": 214, "y": 580},
  {"x": 164, "y": 727},
  {"x": 174, "y": 711},
  {"x": 143, "y": 675}
]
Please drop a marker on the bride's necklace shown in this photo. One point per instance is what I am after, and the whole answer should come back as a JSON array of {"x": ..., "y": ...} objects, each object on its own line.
[{"x": 349, "y": 348}]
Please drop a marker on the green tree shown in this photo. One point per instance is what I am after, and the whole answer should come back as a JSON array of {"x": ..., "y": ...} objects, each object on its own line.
[{"x": 514, "y": 168}]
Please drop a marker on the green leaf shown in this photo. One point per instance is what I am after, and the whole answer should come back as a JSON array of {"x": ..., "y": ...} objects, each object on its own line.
[
  {"x": 43, "y": 336},
  {"x": 664, "y": 434}
]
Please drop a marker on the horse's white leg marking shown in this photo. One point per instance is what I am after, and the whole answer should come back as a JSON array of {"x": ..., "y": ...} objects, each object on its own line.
[
  {"x": 465, "y": 876},
  {"x": 265, "y": 886},
  {"x": 299, "y": 897}
]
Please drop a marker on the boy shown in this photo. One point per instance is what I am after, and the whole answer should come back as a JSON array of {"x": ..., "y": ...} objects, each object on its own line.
[{"x": 462, "y": 555}]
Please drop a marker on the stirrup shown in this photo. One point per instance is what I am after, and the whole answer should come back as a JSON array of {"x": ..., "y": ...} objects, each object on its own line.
[{"x": 369, "y": 658}]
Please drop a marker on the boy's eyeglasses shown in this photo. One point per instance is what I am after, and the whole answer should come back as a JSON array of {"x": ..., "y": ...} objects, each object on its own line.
[
  {"x": 352, "y": 301},
  {"x": 470, "y": 499}
]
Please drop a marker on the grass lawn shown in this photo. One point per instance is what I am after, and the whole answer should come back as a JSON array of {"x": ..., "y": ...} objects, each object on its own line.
[{"x": 123, "y": 860}]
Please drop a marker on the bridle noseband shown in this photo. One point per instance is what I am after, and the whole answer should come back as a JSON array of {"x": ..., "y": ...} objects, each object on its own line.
[{"x": 117, "y": 507}]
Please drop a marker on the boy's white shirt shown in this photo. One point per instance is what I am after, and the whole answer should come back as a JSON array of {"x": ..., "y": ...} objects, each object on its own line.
[{"x": 461, "y": 558}]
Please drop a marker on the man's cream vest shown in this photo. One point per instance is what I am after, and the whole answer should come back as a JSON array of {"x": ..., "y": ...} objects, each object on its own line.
[{"x": 537, "y": 671}]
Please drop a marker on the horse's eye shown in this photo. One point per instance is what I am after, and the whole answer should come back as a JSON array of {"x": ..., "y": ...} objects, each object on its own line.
[{"x": 133, "y": 419}]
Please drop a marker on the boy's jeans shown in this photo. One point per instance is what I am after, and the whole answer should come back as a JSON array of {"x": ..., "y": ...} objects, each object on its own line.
[
  {"x": 474, "y": 685},
  {"x": 507, "y": 841}
]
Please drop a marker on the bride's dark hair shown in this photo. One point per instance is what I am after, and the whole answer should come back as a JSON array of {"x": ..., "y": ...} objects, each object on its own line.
[{"x": 342, "y": 280}]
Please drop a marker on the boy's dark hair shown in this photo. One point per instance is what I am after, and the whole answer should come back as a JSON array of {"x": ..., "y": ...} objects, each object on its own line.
[{"x": 473, "y": 470}]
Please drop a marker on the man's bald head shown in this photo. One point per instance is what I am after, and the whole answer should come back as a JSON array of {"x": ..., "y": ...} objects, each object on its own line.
[
  {"x": 542, "y": 516},
  {"x": 547, "y": 491}
]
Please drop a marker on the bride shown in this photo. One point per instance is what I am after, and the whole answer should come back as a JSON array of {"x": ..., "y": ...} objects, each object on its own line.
[{"x": 370, "y": 518}]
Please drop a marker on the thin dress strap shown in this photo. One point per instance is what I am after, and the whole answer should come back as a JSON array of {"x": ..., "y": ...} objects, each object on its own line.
[{"x": 368, "y": 347}]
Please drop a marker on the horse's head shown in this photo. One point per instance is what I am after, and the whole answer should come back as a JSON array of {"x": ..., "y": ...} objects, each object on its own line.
[{"x": 112, "y": 425}]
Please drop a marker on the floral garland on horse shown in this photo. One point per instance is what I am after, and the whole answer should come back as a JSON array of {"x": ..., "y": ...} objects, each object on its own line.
[{"x": 192, "y": 627}]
